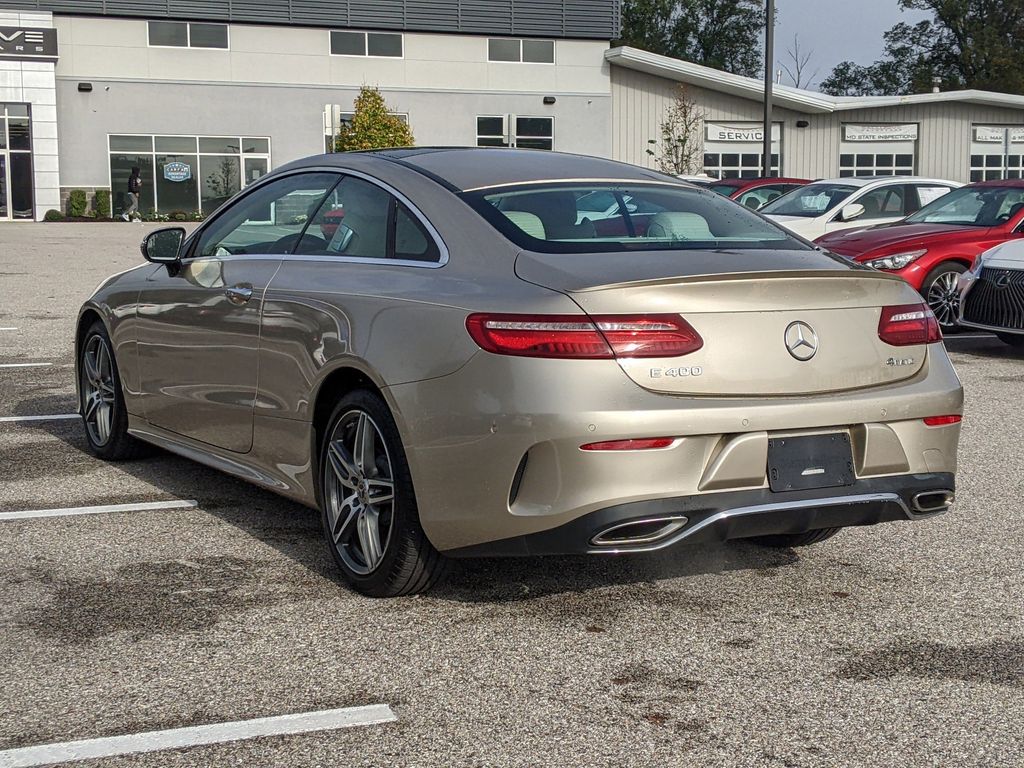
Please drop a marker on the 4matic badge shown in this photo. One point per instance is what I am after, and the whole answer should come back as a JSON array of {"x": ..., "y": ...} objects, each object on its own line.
[{"x": 898, "y": 362}]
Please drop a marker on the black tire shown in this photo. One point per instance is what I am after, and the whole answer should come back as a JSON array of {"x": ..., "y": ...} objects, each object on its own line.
[
  {"x": 113, "y": 443},
  {"x": 939, "y": 290},
  {"x": 1014, "y": 340},
  {"x": 787, "y": 540},
  {"x": 408, "y": 563}
]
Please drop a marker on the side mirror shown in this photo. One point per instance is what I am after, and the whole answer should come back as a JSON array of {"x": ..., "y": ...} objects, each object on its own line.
[
  {"x": 851, "y": 212},
  {"x": 164, "y": 245}
]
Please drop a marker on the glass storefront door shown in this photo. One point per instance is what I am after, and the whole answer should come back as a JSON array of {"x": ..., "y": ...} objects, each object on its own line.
[{"x": 15, "y": 163}]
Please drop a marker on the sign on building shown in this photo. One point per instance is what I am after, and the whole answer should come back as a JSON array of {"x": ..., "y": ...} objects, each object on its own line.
[{"x": 28, "y": 43}]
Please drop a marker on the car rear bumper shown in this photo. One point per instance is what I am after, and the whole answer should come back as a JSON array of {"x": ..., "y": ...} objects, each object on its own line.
[{"x": 649, "y": 526}]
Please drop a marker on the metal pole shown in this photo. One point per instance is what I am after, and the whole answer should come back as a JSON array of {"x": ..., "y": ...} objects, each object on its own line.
[{"x": 769, "y": 65}]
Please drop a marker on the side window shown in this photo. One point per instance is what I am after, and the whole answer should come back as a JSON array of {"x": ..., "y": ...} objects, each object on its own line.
[
  {"x": 883, "y": 203},
  {"x": 269, "y": 220},
  {"x": 361, "y": 220},
  {"x": 412, "y": 242},
  {"x": 928, "y": 193}
]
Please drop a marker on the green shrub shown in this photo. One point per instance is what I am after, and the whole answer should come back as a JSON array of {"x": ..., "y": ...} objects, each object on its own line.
[
  {"x": 77, "y": 203},
  {"x": 178, "y": 216},
  {"x": 53, "y": 215},
  {"x": 101, "y": 203}
]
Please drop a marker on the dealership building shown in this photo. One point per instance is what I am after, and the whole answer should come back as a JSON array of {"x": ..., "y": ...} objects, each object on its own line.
[{"x": 204, "y": 96}]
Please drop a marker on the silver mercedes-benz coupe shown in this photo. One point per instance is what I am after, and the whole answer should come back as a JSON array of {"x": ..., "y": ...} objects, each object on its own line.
[{"x": 462, "y": 352}]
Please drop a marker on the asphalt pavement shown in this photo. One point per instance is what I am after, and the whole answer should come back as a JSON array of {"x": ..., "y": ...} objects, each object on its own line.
[{"x": 900, "y": 644}]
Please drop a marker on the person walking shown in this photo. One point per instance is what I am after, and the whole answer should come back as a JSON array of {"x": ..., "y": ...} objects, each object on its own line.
[{"x": 134, "y": 190}]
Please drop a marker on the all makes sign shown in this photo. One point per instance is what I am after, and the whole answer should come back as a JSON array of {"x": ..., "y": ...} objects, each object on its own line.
[
  {"x": 28, "y": 43},
  {"x": 177, "y": 171}
]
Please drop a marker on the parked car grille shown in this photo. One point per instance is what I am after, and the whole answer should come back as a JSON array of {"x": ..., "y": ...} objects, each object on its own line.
[{"x": 997, "y": 299}]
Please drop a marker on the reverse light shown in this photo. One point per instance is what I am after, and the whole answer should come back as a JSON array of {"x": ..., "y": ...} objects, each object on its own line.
[
  {"x": 639, "y": 444},
  {"x": 942, "y": 421},
  {"x": 897, "y": 260},
  {"x": 583, "y": 337},
  {"x": 906, "y": 324}
]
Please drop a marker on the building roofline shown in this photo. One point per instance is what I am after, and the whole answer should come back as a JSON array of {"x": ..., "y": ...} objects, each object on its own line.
[{"x": 796, "y": 99}]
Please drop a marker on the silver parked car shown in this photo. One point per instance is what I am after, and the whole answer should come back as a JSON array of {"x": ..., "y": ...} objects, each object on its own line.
[
  {"x": 437, "y": 349},
  {"x": 992, "y": 293}
]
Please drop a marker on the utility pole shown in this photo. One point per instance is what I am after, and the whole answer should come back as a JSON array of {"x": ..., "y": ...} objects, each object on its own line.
[{"x": 769, "y": 65}]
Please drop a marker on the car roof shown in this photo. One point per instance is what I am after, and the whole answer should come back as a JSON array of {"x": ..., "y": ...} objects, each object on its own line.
[
  {"x": 998, "y": 183},
  {"x": 470, "y": 168},
  {"x": 760, "y": 182},
  {"x": 863, "y": 181}
]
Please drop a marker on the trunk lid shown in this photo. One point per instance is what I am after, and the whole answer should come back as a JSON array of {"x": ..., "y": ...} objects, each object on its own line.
[{"x": 746, "y": 316}]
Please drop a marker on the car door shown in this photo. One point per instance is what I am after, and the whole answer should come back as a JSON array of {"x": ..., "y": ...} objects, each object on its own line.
[
  {"x": 882, "y": 204},
  {"x": 199, "y": 322}
]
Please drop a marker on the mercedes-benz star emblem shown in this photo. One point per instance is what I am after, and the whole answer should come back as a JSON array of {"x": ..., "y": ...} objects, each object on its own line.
[
  {"x": 1002, "y": 280},
  {"x": 801, "y": 340}
]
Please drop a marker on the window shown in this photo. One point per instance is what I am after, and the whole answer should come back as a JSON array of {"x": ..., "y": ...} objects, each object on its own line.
[
  {"x": 927, "y": 193},
  {"x": 810, "y": 201},
  {"x": 972, "y": 207},
  {"x": 989, "y": 167},
  {"x": 519, "y": 50},
  {"x": 181, "y": 34},
  {"x": 383, "y": 44},
  {"x": 876, "y": 164},
  {"x": 737, "y": 165},
  {"x": 270, "y": 220},
  {"x": 756, "y": 198},
  {"x": 186, "y": 174},
  {"x": 360, "y": 220},
  {"x": 16, "y": 180},
  {"x": 883, "y": 203},
  {"x": 555, "y": 218},
  {"x": 530, "y": 132}
]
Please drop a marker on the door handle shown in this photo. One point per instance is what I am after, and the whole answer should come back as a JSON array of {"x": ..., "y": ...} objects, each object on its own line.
[{"x": 239, "y": 294}]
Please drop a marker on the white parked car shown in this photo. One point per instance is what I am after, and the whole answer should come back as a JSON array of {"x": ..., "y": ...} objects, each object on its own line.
[{"x": 857, "y": 201}]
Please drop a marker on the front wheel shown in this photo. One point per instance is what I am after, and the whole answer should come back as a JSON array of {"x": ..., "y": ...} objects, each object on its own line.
[
  {"x": 940, "y": 291},
  {"x": 369, "y": 512},
  {"x": 101, "y": 402}
]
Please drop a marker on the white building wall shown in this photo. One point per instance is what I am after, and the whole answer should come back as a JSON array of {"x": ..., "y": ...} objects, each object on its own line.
[
  {"x": 639, "y": 102},
  {"x": 33, "y": 82}
]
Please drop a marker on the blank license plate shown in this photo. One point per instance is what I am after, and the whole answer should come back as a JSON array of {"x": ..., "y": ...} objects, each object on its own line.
[{"x": 810, "y": 461}]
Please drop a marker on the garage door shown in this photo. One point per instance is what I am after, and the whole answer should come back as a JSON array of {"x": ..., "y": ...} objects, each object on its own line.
[
  {"x": 736, "y": 150},
  {"x": 878, "y": 150},
  {"x": 996, "y": 152}
]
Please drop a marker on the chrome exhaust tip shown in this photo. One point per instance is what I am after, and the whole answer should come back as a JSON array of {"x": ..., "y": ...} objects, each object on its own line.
[
  {"x": 639, "y": 532},
  {"x": 931, "y": 502}
]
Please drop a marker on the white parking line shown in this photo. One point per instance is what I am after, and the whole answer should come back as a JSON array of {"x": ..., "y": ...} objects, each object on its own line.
[
  {"x": 54, "y": 417},
  {"x": 176, "y": 738},
  {"x": 8, "y": 328},
  {"x": 142, "y": 506},
  {"x": 24, "y": 365}
]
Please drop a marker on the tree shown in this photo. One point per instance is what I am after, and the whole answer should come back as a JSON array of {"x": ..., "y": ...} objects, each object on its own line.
[
  {"x": 678, "y": 152},
  {"x": 724, "y": 34},
  {"x": 799, "y": 61},
  {"x": 966, "y": 44},
  {"x": 372, "y": 126}
]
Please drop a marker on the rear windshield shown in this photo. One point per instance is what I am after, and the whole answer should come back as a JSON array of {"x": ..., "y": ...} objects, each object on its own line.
[
  {"x": 972, "y": 207},
  {"x": 811, "y": 201},
  {"x": 580, "y": 218}
]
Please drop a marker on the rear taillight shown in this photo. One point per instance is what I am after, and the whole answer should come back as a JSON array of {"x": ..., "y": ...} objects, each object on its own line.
[
  {"x": 942, "y": 421},
  {"x": 636, "y": 444},
  {"x": 907, "y": 324},
  {"x": 584, "y": 337}
]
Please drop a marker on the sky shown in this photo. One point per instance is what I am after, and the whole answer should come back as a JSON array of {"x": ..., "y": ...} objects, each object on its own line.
[{"x": 836, "y": 30}]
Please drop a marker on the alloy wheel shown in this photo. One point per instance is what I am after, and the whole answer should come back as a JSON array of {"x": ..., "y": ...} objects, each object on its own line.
[
  {"x": 360, "y": 489},
  {"x": 944, "y": 299},
  {"x": 98, "y": 393}
]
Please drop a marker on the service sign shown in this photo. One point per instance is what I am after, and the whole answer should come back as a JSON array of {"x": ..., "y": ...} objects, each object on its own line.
[
  {"x": 996, "y": 134},
  {"x": 28, "y": 43},
  {"x": 906, "y": 132},
  {"x": 751, "y": 133},
  {"x": 177, "y": 171}
]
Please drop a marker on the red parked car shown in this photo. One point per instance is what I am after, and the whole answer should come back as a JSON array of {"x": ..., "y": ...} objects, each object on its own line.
[
  {"x": 931, "y": 248},
  {"x": 755, "y": 193}
]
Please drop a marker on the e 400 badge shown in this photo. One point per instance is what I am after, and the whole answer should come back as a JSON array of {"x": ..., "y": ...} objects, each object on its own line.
[{"x": 676, "y": 373}]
